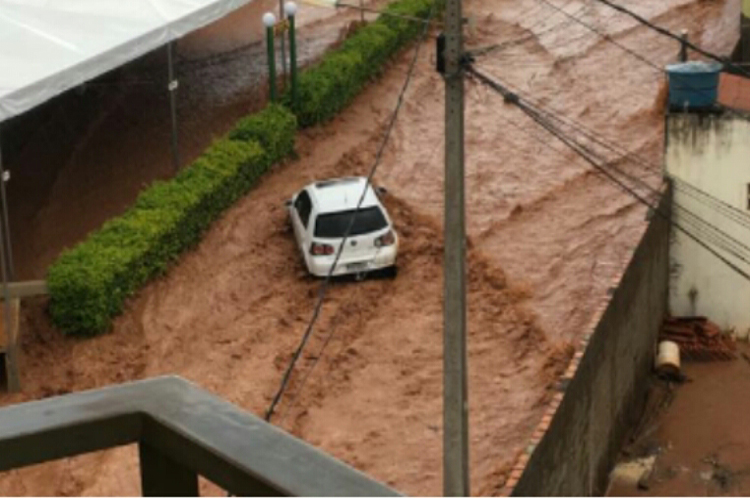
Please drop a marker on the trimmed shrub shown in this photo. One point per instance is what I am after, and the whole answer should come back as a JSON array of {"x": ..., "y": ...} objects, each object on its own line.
[
  {"x": 89, "y": 284},
  {"x": 329, "y": 86},
  {"x": 274, "y": 128}
]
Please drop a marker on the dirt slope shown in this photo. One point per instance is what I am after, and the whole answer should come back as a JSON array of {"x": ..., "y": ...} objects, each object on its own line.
[{"x": 546, "y": 238}]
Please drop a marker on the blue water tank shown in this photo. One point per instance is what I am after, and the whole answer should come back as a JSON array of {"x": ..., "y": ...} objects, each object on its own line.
[{"x": 693, "y": 84}]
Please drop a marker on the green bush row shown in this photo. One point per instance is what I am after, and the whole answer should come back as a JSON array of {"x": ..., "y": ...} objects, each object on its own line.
[
  {"x": 89, "y": 284},
  {"x": 329, "y": 86}
]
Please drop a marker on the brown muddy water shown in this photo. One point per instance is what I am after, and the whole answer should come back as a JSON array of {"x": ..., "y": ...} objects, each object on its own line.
[{"x": 546, "y": 237}]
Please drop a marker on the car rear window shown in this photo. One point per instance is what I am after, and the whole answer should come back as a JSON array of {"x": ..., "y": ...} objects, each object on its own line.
[{"x": 334, "y": 225}]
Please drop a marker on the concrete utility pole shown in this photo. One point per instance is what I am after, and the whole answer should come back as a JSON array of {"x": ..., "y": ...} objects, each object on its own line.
[{"x": 455, "y": 397}]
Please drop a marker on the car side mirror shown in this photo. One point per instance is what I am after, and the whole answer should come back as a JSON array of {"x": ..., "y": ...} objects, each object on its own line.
[{"x": 381, "y": 190}]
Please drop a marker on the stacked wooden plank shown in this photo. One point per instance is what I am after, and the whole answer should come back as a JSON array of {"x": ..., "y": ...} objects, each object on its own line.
[
  {"x": 699, "y": 339},
  {"x": 9, "y": 347}
]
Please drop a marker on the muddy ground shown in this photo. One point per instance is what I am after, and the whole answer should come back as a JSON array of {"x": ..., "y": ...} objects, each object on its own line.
[
  {"x": 697, "y": 434},
  {"x": 546, "y": 235}
]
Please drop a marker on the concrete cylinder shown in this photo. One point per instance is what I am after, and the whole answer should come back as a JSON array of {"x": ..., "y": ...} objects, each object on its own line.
[{"x": 668, "y": 358}]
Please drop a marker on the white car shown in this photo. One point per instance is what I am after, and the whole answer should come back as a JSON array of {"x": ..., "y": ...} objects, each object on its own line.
[{"x": 321, "y": 214}]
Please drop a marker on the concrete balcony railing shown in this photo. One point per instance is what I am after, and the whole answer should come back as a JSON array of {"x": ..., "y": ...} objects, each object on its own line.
[{"x": 182, "y": 432}]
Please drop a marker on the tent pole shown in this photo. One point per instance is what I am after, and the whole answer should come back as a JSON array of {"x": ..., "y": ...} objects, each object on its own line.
[
  {"x": 10, "y": 350},
  {"x": 172, "y": 88},
  {"x": 6, "y": 223}
]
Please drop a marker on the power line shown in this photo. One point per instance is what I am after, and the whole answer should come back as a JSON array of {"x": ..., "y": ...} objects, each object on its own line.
[
  {"x": 688, "y": 189},
  {"x": 522, "y": 39},
  {"x": 324, "y": 288},
  {"x": 587, "y": 156},
  {"x": 709, "y": 231},
  {"x": 717, "y": 236},
  {"x": 581, "y": 150},
  {"x": 667, "y": 33},
  {"x": 729, "y": 211},
  {"x": 607, "y": 37}
]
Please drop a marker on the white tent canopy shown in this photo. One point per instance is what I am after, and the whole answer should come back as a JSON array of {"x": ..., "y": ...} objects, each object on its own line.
[{"x": 50, "y": 46}]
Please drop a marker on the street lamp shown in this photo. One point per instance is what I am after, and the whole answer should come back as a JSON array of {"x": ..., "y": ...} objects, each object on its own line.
[
  {"x": 290, "y": 8},
  {"x": 269, "y": 21}
]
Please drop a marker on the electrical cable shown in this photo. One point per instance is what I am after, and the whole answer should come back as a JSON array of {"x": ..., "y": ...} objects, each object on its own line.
[
  {"x": 738, "y": 69},
  {"x": 722, "y": 239},
  {"x": 581, "y": 151},
  {"x": 607, "y": 37},
  {"x": 522, "y": 39},
  {"x": 324, "y": 288},
  {"x": 717, "y": 204},
  {"x": 709, "y": 231}
]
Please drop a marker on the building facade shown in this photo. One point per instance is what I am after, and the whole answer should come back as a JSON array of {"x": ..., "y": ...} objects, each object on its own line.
[{"x": 708, "y": 156}]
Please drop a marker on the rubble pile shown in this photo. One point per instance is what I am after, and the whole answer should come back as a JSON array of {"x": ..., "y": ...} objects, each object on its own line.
[{"x": 699, "y": 339}]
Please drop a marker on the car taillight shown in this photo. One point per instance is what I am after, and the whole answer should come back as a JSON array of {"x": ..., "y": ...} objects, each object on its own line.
[
  {"x": 385, "y": 240},
  {"x": 321, "y": 249}
]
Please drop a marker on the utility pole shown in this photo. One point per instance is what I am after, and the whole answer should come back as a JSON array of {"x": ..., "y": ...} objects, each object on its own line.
[{"x": 455, "y": 390}]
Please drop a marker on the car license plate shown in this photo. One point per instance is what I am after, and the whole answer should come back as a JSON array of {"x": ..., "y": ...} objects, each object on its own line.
[{"x": 357, "y": 266}]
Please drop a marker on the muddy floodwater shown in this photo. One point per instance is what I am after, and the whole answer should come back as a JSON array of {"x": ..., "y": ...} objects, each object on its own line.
[{"x": 547, "y": 235}]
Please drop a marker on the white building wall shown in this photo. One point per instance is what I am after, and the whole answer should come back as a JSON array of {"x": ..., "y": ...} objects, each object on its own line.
[{"x": 711, "y": 153}]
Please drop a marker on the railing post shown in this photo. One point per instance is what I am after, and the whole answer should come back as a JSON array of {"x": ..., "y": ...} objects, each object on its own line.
[{"x": 163, "y": 477}]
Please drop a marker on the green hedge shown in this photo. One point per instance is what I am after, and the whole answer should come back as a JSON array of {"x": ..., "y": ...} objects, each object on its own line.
[
  {"x": 89, "y": 284},
  {"x": 326, "y": 88}
]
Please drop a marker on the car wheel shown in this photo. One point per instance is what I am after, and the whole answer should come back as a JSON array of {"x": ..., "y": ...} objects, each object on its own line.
[{"x": 391, "y": 272}]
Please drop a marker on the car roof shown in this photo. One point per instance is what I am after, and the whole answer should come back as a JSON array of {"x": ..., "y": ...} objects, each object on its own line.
[{"x": 340, "y": 195}]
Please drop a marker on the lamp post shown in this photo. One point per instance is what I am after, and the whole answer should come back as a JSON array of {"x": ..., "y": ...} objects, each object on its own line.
[
  {"x": 290, "y": 8},
  {"x": 269, "y": 21}
]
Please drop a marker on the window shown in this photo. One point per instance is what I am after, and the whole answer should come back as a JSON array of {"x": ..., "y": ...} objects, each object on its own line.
[
  {"x": 304, "y": 207},
  {"x": 368, "y": 220}
]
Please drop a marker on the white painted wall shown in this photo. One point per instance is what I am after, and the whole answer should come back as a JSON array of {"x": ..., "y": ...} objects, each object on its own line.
[{"x": 713, "y": 154}]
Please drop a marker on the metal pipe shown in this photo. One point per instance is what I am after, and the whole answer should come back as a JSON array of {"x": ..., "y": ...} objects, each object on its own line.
[
  {"x": 10, "y": 355},
  {"x": 683, "y": 46},
  {"x": 7, "y": 240}
]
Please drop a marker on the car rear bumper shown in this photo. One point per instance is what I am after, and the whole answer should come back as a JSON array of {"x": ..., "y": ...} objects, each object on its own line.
[{"x": 385, "y": 258}]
